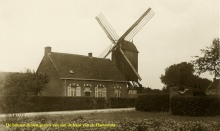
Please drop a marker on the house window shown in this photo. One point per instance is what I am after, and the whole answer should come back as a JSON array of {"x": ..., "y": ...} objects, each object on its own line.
[
  {"x": 104, "y": 92},
  {"x": 100, "y": 91},
  {"x": 71, "y": 91},
  {"x": 74, "y": 91},
  {"x": 78, "y": 91},
  {"x": 132, "y": 92},
  {"x": 117, "y": 91},
  {"x": 87, "y": 91},
  {"x": 96, "y": 91}
]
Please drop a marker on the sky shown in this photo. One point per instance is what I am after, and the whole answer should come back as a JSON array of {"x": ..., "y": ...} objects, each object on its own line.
[{"x": 177, "y": 31}]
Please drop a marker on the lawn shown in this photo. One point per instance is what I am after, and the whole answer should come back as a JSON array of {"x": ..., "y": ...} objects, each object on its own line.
[
  {"x": 135, "y": 115},
  {"x": 121, "y": 120}
]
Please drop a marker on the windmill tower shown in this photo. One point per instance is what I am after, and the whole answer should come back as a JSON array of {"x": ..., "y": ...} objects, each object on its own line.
[{"x": 124, "y": 52}]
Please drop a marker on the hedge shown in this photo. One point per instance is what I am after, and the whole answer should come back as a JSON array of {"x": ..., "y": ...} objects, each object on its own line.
[
  {"x": 119, "y": 102},
  {"x": 18, "y": 104},
  {"x": 47, "y": 103},
  {"x": 153, "y": 102},
  {"x": 195, "y": 106}
]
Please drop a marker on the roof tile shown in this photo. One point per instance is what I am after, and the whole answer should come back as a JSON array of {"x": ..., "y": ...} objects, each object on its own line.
[{"x": 85, "y": 67}]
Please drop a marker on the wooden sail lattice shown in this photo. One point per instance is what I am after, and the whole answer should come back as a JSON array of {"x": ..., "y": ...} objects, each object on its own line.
[{"x": 129, "y": 70}]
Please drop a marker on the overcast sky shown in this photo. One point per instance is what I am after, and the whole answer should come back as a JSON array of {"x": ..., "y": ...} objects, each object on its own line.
[{"x": 178, "y": 30}]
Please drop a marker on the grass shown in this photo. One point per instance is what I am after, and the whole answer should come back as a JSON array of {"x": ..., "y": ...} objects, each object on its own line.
[
  {"x": 123, "y": 120},
  {"x": 135, "y": 115}
]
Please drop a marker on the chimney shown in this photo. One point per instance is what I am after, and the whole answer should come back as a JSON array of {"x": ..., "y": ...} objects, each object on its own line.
[
  {"x": 47, "y": 50},
  {"x": 90, "y": 54}
]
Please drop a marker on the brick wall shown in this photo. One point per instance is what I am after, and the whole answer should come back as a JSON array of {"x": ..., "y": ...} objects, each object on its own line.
[
  {"x": 110, "y": 90},
  {"x": 58, "y": 87},
  {"x": 54, "y": 87}
]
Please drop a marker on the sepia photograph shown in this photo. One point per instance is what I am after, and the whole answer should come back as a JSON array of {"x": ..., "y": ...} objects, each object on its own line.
[{"x": 103, "y": 65}]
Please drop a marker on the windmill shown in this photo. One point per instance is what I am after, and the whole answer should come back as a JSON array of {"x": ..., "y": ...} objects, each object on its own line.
[{"x": 122, "y": 58}]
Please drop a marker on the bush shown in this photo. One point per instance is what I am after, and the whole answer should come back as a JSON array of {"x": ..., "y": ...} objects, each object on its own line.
[
  {"x": 118, "y": 102},
  {"x": 153, "y": 102},
  {"x": 195, "y": 106},
  {"x": 16, "y": 104},
  {"x": 150, "y": 124},
  {"x": 48, "y": 103}
]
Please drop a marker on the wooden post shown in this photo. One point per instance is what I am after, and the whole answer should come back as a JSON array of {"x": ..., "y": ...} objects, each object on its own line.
[{"x": 173, "y": 91}]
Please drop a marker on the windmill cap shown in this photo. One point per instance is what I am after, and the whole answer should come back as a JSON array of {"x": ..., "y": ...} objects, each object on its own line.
[{"x": 127, "y": 45}]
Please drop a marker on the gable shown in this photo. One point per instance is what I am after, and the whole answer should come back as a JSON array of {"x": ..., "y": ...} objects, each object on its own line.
[{"x": 46, "y": 66}]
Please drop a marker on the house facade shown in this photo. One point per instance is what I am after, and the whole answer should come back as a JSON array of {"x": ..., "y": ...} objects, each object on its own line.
[
  {"x": 77, "y": 75},
  {"x": 214, "y": 88}
]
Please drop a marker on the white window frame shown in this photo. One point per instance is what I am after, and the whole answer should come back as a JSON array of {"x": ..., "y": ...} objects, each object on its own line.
[
  {"x": 71, "y": 91},
  {"x": 104, "y": 92},
  {"x": 78, "y": 91},
  {"x": 132, "y": 91},
  {"x": 96, "y": 91},
  {"x": 68, "y": 90},
  {"x": 74, "y": 91},
  {"x": 87, "y": 89},
  {"x": 118, "y": 92},
  {"x": 100, "y": 91}
]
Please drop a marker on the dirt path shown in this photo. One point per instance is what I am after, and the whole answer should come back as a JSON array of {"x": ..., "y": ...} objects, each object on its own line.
[{"x": 71, "y": 112}]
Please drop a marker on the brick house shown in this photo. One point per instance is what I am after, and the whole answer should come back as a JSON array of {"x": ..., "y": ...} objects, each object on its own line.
[
  {"x": 78, "y": 75},
  {"x": 214, "y": 88}
]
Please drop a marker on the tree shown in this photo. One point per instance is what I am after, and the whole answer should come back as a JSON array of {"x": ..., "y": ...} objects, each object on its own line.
[
  {"x": 19, "y": 87},
  {"x": 182, "y": 74},
  {"x": 148, "y": 90},
  {"x": 209, "y": 61},
  {"x": 28, "y": 83},
  {"x": 178, "y": 74}
]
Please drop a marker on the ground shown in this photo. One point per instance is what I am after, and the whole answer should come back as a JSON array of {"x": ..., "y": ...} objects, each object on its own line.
[
  {"x": 129, "y": 119},
  {"x": 135, "y": 115}
]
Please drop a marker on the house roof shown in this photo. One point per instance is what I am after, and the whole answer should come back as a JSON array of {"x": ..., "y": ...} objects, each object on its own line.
[
  {"x": 127, "y": 45},
  {"x": 85, "y": 67},
  {"x": 215, "y": 84}
]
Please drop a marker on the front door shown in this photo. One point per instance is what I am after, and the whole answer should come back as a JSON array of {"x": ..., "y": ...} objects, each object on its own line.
[{"x": 87, "y": 93}]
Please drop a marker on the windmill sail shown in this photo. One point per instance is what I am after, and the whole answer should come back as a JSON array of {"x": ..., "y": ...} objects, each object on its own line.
[
  {"x": 106, "y": 51},
  {"x": 134, "y": 29},
  {"x": 128, "y": 69},
  {"x": 108, "y": 29},
  {"x": 146, "y": 17},
  {"x": 134, "y": 26}
]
